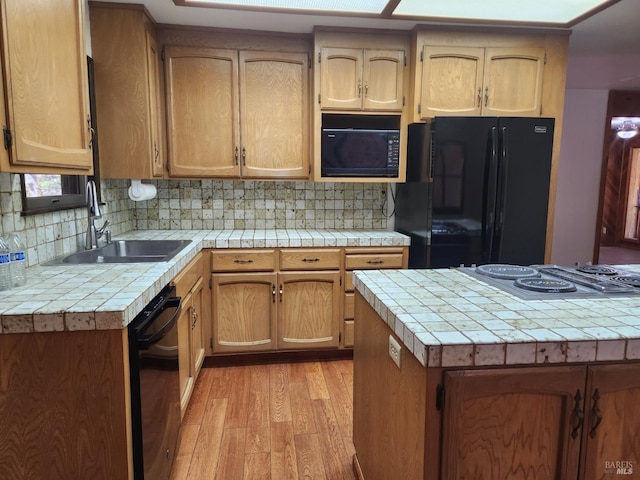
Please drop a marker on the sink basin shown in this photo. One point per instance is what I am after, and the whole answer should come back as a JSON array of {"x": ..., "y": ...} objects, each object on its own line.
[{"x": 126, "y": 251}]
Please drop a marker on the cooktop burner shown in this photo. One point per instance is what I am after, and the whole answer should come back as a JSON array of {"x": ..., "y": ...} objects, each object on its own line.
[
  {"x": 552, "y": 281},
  {"x": 631, "y": 280},
  {"x": 508, "y": 272},
  {"x": 597, "y": 270},
  {"x": 547, "y": 285}
]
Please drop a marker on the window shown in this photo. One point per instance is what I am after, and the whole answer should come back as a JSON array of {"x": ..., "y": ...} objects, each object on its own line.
[{"x": 47, "y": 193}]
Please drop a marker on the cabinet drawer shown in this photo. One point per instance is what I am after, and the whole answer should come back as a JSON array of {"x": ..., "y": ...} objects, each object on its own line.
[
  {"x": 349, "y": 302},
  {"x": 243, "y": 261},
  {"x": 373, "y": 261},
  {"x": 310, "y": 259}
]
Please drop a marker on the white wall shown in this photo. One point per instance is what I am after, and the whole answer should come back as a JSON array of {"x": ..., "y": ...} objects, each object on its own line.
[{"x": 578, "y": 186}]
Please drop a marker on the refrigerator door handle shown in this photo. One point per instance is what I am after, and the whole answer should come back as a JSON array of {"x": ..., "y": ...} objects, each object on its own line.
[
  {"x": 490, "y": 192},
  {"x": 501, "y": 192}
]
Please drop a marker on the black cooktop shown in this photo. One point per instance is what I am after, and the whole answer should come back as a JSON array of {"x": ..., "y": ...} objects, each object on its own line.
[{"x": 537, "y": 282}]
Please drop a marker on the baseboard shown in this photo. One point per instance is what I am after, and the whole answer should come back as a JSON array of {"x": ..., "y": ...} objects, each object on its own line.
[{"x": 276, "y": 357}]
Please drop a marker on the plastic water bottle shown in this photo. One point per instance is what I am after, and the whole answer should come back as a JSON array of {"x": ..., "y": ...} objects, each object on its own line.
[
  {"x": 18, "y": 259},
  {"x": 5, "y": 266}
]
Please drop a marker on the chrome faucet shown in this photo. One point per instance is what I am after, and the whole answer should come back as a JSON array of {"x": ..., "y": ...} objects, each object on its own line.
[{"x": 93, "y": 210}]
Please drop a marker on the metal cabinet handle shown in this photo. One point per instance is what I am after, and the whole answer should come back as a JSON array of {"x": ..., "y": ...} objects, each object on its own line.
[
  {"x": 479, "y": 96},
  {"x": 242, "y": 261},
  {"x": 486, "y": 96},
  {"x": 156, "y": 150},
  {"x": 281, "y": 291},
  {"x": 377, "y": 261},
  {"x": 194, "y": 317},
  {"x": 273, "y": 292},
  {"x": 578, "y": 415},
  {"x": 366, "y": 89},
  {"x": 596, "y": 413},
  {"x": 359, "y": 89},
  {"x": 235, "y": 156},
  {"x": 310, "y": 260},
  {"x": 92, "y": 132},
  {"x": 244, "y": 156}
]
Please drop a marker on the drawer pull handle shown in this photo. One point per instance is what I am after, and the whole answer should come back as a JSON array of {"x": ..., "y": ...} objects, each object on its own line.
[
  {"x": 578, "y": 415},
  {"x": 273, "y": 292},
  {"x": 310, "y": 260},
  {"x": 377, "y": 261},
  {"x": 241, "y": 261},
  {"x": 597, "y": 413}
]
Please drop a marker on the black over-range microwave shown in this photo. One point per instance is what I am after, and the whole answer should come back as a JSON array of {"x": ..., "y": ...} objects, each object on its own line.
[{"x": 353, "y": 152}]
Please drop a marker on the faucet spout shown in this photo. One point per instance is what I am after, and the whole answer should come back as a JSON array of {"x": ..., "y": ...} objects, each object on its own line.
[{"x": 93, "y": 212}]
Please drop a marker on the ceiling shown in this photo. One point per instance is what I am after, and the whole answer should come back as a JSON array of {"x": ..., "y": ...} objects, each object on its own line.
[{"x": 604, "y": 49}]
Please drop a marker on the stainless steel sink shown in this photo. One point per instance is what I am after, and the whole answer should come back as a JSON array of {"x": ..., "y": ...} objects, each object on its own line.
[{"x": 126, "y": 251}]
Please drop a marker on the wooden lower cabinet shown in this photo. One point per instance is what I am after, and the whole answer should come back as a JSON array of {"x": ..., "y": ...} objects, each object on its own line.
[
  {"x": 255, "y": 312},
  {"x": 568, "y": 422},
  {"x": 309, "y": 309},
  {"x": 244, "y": 312}
]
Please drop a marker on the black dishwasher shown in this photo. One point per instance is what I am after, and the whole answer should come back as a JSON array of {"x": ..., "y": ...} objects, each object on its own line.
[{"x": 155, "y": 386}]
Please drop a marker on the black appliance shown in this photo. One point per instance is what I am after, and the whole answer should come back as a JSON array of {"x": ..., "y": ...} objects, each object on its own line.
[
  {"x": 359, "y": 152},
  {"x": 548, "y": 282},
  {"x": 477, "y": 191},
  {"x": 155, "y": 386}
]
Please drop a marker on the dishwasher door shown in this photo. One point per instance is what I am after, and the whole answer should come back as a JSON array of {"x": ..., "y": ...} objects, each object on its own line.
[{"x": 155, "y": 386}]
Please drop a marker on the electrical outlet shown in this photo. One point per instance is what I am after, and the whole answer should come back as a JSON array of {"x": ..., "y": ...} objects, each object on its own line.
[
  {"x": 394, "y": 350},
  {"x": 604, "y": 230}
]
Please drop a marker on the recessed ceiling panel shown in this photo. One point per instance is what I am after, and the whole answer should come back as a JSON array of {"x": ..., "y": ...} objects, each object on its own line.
[
  {"x": 529, "y": 11},
  {"x": 344, "y": 6}
]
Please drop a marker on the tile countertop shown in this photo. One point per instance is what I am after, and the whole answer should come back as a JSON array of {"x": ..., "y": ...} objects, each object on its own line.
[
  {"x": 109, "y": 296},
  {"x": 448, "y": 319}
]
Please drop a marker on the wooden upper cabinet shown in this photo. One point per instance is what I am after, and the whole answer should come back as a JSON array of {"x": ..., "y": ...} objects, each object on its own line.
[
  {"x": 237, "y": 113},
  {"x": 500, "y": 81},
  {"x": 361, "y": 79},
  {"x": 451, "y": 81},
  {"x": 274, "y": 113},
  {"x": 528, "y": 420},
  {"x": 46, "y": 89},
  {"x": 612, "y": 422},
  {"x": 128, "y": 91},
  {"x": 202, "y": 112},
  {"x": 513, "y": 81}
]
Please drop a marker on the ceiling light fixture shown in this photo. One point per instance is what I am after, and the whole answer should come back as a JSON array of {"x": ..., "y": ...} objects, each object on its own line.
[{"x": 625, "y": 127}]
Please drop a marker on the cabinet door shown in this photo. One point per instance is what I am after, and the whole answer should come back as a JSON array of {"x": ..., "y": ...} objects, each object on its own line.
[
  {"x": 274, "y": 113},
  {"x": 308, "y": 309},
  {"x": 383, "y": 80},
  {"x": 341, "y": 78},
  {"x": 202, "y": 112},
  {"x": 451, "y": 81},
  {"x": 612, "y": 427},
  {"x": 47, "y": 94},
  {"x": 499, "y": 422},
  {"x": 156, "y": 135},
  {"x": 197, "y": 331},
  {"x": 244, "y": 312},
  {"x": 513, "y": 81},
  {"x": 184, "y": 353}
]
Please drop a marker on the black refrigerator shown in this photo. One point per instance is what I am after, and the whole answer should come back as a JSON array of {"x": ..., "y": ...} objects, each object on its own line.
[{"x": 477, "y": 191}]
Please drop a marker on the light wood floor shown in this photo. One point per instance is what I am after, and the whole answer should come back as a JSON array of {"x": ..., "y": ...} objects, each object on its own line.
[{"x": 269, "y": 422}]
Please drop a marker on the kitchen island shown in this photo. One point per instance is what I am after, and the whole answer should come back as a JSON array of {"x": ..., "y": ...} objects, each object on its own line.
[{"x": 490, "y": 385}]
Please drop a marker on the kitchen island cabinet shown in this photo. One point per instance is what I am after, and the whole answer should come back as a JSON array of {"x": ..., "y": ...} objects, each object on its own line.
[
  {"x": 454, "y": 408},
  {"x": 44, "y": 108}
]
